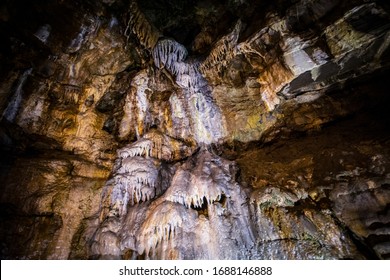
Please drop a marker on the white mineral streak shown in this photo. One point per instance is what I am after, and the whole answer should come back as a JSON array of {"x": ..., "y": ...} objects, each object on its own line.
[
  {"x": 141, "y": 83},
  {"x": 13, "y": 106},
  {"x": 267, "y": 196},
  {"x": 81, "y": 37},
  {"x": 129, "y": 118},
  {"x": 180, "y": 121},
  {"x": 296, "y": 57},
  {"x": 43, "y": 33},
  {"x": 31, "y": 114},
  {"x": 209, "y": 125}
]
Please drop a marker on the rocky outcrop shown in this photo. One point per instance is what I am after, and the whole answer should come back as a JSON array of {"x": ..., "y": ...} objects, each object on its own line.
[
  {"x": 255, "y": 130},
  {"x": 56, "y": 157}
]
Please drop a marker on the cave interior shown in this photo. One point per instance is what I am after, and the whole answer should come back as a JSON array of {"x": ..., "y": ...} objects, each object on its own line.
[{"x": 171, "y": 129}]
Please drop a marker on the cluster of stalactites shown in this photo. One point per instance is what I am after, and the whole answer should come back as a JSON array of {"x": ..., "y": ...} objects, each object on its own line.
[
  {"x": 224, "y": 51},
  {"x": 167, "y": 53},
  {"x": 142, "y": 148},
  {"x": 195, "y": 201},
  {"x": 138, "y": 24},
  {"x": 157, "y": 145},
  {"x": 135, "y": 180},
  {"x": 137, "y": 169},
  {"x": 206, "y": 177},
  {"x": 162, "y": 223},
  {"x": 192, "y": 189},
  {"x": 172, "y": 55},
  {"x": 209, "y": 180}
]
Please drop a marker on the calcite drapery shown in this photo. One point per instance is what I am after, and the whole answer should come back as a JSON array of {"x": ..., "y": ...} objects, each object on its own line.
[{"x": 206, "y": 197}]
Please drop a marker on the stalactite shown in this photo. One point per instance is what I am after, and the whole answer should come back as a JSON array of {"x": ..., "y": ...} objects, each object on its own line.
[
  {"x": 172, "y": 55},
  {"x": 255, "y": 45},
  {"x": 168, "y": 53},
  {"x": 157, "y": 145},
  {"x": 223, "y": 51},
  {"x": 200, "y": 201},
  {"x": 143, "y": 147},
  {"x": 163, "y": 222},
  {"x": 136, "y": 179},
  {"x": 209, "y": 179},
  {"x": 136, "y": 174},
  {"x": 138, "y": 24},
  {"x": 207, "y": 119}
]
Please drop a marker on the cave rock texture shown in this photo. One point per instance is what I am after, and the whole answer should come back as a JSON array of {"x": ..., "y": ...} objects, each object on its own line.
[{"x": 170, "y": 129}]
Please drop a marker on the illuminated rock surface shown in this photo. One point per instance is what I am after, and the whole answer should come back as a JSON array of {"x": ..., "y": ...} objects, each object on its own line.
[{"x": 195, "y": 129}]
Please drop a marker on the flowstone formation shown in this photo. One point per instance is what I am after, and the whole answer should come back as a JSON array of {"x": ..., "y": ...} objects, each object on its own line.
[
  {"x": 195, "y": 130},
  {"x": 202, "y": 201}
]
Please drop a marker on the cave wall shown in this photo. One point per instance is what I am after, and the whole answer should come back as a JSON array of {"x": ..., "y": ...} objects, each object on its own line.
[{"x": 194, "y": 130}]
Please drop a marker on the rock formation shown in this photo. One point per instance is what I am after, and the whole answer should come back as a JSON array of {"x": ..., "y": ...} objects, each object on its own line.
[{"x": 195, "y": 129}]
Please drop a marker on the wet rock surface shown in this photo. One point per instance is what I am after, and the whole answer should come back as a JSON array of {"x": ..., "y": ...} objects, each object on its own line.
[{"x": 194, "y": 130}]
